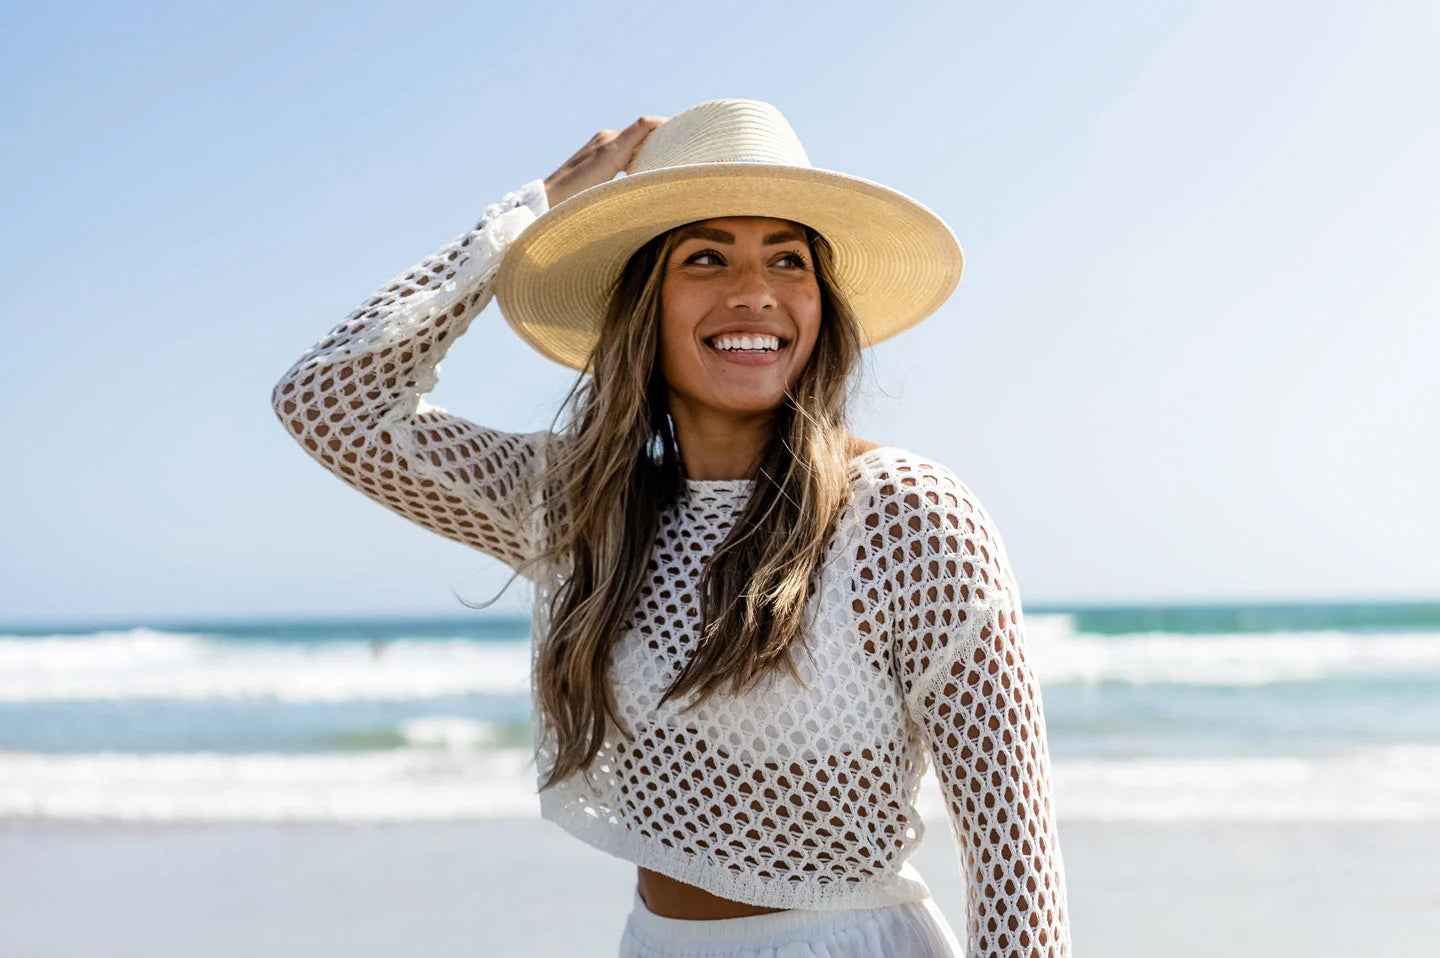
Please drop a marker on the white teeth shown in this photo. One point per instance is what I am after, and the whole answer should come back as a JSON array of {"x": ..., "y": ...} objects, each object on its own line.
[{"x": 758, "y": 342}]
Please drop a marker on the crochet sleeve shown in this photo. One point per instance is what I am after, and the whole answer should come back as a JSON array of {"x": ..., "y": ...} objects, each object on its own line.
[
  {"x": 353, "y": 400},
  {"x": 960, "y": 656}
]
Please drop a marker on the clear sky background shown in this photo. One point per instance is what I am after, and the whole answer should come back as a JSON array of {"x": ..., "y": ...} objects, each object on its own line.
[{"x": 1193, "y": 356}]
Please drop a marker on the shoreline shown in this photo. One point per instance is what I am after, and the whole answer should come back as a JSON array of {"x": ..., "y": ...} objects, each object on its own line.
[{"x": 494, "y": 887}]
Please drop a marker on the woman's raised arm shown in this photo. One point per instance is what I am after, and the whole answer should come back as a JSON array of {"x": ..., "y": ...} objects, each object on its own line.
[
  {"x": 959, "y": 652},
  {"x": 353, "y": 400}
]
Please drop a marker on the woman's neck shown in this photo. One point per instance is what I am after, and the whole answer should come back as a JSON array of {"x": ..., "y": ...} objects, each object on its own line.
[
  {"x": 721, "y": 447},
  {"x": 735, "y": 459}
]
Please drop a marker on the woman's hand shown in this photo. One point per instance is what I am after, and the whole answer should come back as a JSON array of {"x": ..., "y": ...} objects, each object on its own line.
[{"x": 598, "y": 161}]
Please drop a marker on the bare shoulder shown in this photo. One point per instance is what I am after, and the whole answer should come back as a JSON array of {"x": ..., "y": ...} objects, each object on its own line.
[{"x": 858, "y": 446}]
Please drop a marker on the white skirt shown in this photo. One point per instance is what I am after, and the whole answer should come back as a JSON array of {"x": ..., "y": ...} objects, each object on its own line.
[{"x": 910, "y": 930}]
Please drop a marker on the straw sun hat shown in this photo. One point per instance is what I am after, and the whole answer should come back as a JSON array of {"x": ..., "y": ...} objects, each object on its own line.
[{"x": 896, "y": 260}]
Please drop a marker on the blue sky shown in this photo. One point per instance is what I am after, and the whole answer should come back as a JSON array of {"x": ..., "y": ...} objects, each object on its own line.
[{"x": 1192, "y": 357}]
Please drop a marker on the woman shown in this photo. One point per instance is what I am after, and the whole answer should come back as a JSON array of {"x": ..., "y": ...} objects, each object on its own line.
[{"x": 752, "y": 630}]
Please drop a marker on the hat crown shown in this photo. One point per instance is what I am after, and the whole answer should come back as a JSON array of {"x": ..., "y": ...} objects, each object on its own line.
[{"x": 721, "y": 131}]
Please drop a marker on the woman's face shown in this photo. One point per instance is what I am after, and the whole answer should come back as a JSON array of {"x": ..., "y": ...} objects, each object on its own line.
[{"x": 732, "y": 277}]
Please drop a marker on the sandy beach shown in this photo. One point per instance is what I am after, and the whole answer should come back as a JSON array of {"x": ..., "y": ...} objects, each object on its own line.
[{"x": 523, "y": 887}]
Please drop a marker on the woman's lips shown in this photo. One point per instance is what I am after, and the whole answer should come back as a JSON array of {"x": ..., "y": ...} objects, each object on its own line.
[{"x": 749, "y": 357}]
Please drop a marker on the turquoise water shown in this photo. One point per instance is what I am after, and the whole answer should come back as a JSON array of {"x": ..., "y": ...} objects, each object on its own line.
[
  {"x": 1268, "y": 617},
  {"x": 188, "y": 708}
]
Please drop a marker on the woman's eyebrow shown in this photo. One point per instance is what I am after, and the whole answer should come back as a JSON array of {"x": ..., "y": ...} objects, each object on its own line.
[{"x": 724, "y": 236}]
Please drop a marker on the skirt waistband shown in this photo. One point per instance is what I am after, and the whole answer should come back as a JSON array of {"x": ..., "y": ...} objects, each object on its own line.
[{"x": 751, "y": 930}]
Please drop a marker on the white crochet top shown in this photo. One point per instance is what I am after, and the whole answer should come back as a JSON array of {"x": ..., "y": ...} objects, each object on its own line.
[{"x": 793, "y": 795}]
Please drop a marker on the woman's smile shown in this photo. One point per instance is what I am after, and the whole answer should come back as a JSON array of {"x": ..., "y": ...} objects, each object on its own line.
[{"x": 760, "y": 349}]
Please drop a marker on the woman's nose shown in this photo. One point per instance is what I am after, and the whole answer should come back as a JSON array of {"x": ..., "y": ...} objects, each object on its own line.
[{"x": 750, "y": 288}]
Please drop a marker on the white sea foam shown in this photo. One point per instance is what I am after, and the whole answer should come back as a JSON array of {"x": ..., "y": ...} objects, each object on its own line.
[
  {"x": 409, "y": 784},
  {"x": 448, "y": 732},
  {"x": 146, "y": 664},
  {"x": 1059, "y": 654},
  {"x": 1387, "y": 783},
  {"x": 150, "y": 664},
  {"x": 1398, "y": 783}
]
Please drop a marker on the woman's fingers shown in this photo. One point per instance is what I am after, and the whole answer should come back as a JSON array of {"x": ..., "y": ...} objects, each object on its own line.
[
  {"x": 635, "y": 134},
  {"x": 606, "y": 154}
]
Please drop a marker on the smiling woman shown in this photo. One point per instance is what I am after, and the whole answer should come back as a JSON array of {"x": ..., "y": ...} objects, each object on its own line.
[
  {"x": 727, "y": 283},
  {"x": 753, "y": 630}
]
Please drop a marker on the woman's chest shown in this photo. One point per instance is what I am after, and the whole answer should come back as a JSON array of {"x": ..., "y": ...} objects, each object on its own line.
[{"x": 844, "y": 696}]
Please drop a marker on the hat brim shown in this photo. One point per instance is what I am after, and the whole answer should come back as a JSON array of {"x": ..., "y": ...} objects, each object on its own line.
[{"x": 895, "y": 260}]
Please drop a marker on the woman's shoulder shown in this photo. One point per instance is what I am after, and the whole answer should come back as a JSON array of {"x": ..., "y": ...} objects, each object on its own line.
[
  {"x": 912, "y": 495},
  {"x": 895, "y": 471},
  {"x": 925, "y": 522}
]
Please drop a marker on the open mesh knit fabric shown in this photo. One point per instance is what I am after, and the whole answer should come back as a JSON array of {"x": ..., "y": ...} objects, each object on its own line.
[{"x": 793, "y": 795}]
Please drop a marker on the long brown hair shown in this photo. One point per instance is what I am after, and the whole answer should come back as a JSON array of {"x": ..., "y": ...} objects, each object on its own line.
[{"x": 617, "y": 467}]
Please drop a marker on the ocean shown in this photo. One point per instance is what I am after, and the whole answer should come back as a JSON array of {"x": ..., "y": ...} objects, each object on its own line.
[{"x": 1264, "y": 712}]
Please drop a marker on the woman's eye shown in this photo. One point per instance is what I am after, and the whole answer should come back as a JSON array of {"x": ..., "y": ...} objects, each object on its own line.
[{"x": 798, "y": 260}]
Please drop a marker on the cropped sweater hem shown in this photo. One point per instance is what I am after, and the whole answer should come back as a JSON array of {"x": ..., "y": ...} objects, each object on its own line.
[{"x": 895, "y": 888}]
